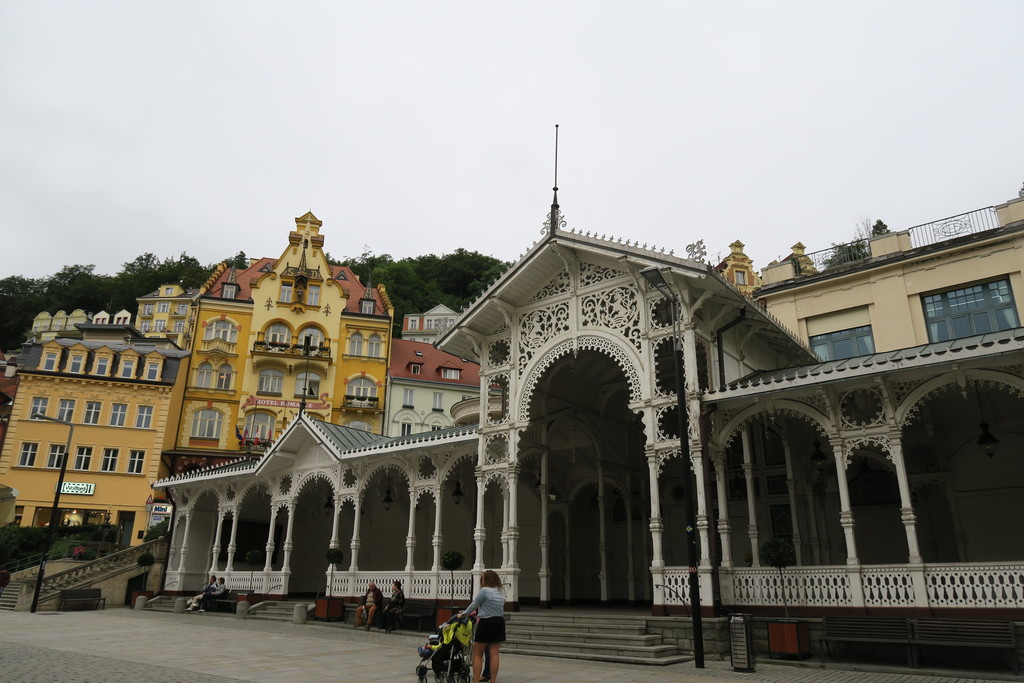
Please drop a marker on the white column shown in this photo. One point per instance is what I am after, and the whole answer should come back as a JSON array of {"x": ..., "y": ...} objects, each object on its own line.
[
  {"x": 748, "y": 474},
  {"x": 335, "y": 525},
  {"x": 232, "y": 546},
  {"x": 355, "y": 542},
  {"x": 512, "y": 530},
  {"x": 906, "y": 504},
  {"x": 215, "y": 552},
  {"x": 544, "y": 574},
  {"x": 791, "y": 488},
  {"x": 479, "y": 532},
  {"x": 184, "y": 541},
  {"x": 270, "y": 540},
  {"x": 438, "y": 536},
  {"x": 410, "y": 539},
  {"x": 724, "y": 523},
  {"x": 286, "y": 564},
  {"x": 845, "y": 510},
  {"x": 657, "y": 526}
]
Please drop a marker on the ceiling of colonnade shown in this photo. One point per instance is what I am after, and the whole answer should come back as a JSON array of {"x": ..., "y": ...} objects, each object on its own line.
[{"x": 579, "y": 412}]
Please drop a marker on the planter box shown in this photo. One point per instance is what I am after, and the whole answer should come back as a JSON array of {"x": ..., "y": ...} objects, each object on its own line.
[
  {"x": 789, "y": 638},
  {"x": 135, "y": 595},
  {"x": 446, "y": 613},
  {"x": 329, "y": 609}
]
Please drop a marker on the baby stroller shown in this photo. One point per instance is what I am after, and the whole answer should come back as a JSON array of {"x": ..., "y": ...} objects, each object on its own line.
[{"x": 447, "y": 652}]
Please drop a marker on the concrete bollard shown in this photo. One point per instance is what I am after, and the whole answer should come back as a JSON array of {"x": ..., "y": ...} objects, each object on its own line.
[
  {"x": 140, "y": 602},
  {"x": 299, "y": 614},
  {"x": 242, "y": 609},
  {"x": 179, "y": 605}
]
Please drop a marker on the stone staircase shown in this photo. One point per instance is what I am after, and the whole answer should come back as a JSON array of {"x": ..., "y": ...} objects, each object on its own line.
[
  {"x": 594, "y": 637},
  {"x": 9, "y": 599}
]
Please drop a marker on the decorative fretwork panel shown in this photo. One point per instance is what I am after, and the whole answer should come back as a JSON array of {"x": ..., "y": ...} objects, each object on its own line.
[
  {"x": 992, "y": 586},
  {"x": 805, "y": 587},
  {"x": 888, "y": 587},
  {"x": 591, "y": 274},
  {"x": 615, "y": 309},
  {"x": 497, "y": 448},
  {"x": 862, "y": 407},
  {"x": 539, "y": 326},
  {"x": 559, "y": 284},
  {"x": 499, "y": 352}
]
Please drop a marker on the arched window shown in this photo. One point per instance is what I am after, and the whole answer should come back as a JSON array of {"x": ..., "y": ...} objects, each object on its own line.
[
  {"x": 360, "y": 424},
  {"x": 373, "y": 350},
  {"x": 278, "y": 333},
  {"x": 362, "y": 388},
  {"x": 271, "y": 381},
  {"x": 308, "y": 382},
  {"x": 221, "y": 329},
  {"x": 259, "y": 425},
  {"x": 316, "y": 337},
  {"x": 206, "y": 424},
  {"x": 224, "y": 375},
  {"x": 204, "y": 376},
  {"x": 355, "y": 344}
]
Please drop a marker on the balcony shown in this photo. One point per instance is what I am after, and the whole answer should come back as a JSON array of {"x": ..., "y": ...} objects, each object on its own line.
[
  {"x": 361, "y": 402},
  {"x": 286, "y": 349},
  {"x": 217, "y": 345}
]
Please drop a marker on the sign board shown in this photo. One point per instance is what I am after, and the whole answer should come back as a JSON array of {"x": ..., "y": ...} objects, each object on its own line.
[
  {"x": 78, "y": 488},
  {"x": 161, "y": 508}
]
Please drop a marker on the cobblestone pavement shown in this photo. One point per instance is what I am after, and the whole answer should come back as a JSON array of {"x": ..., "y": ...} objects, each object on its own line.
[{"x": 126, "y": 646}]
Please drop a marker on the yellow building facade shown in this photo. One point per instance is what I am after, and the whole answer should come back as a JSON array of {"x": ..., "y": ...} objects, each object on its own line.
[
  {"x": 165, "y": 313},
  {"x": 279, "y": 336},
  {"x": 111, "y": 399}
]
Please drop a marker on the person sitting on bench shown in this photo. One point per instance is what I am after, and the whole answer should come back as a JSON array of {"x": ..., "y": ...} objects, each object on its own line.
[
  {"x": 193, "y": 603},
  {"x": 369, "y": 605},
  {"x": 206, "y": 602}
]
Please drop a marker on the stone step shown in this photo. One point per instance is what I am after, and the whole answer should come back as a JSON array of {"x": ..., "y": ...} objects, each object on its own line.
[
  {"x": 652, "y": 651},
  {"x": 664, "y": 660},
  {"x": 9, "y": 599},
  {"x": 609, "y": 639},
  {"x": 604, "y": 628}
]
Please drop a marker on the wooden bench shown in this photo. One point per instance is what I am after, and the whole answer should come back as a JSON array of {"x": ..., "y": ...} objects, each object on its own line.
[
  {"x": 417, "y": 609},
  {"x": 964, "y": 633},
  {"x": 228, "y": 601},
  {"x": 88, "y": 598},
  {"x": 895, "y": 630}
]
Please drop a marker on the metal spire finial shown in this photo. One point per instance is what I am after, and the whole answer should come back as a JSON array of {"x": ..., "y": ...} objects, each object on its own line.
[{"x": 554, "y": 201}]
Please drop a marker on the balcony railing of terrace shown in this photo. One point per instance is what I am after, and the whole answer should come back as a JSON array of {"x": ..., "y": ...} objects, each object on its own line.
[{"x": 323, "y": 351}]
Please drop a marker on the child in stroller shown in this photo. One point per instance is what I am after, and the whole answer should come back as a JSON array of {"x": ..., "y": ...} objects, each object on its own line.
[{"x": 446, "y": 652}]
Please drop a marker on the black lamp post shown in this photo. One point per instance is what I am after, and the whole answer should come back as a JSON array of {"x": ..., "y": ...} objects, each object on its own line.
[
  {"x": 53, "y": 511},
  {"x": 656, "y": 279}
]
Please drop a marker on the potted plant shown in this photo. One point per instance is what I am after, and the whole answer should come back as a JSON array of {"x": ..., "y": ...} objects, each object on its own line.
[
  {"x": 451, "y": 561},
  {"x": 786, "y": 637},
  {"x": 146, "y": 561},
  {"x": 253, "y": 558},
  {"x": 330, "y": 608}
]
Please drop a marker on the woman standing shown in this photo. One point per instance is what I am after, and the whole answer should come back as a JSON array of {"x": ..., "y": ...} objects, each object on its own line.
[{"x": 490, "y": 625}]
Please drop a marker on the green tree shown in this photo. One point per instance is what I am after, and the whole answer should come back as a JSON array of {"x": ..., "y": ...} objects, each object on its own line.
[{"x": 779, "y": 553}]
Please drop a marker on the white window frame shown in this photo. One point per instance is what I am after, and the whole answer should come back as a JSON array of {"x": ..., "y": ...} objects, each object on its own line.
[
  {"x": 83, "y": 458},
  {"x": 92, "y": 412},
  {"x": 136, "y": 460},
  {"x": 144, "y": 417},
  {"x": 29, "y": 451},
  {"x": 118, "y": 414},
  {"x": 66, "y": 410},
  {"x": 39, "y": 405},
  {"x": 271, "y": 381},
  {"x": 109, "y": 462}
]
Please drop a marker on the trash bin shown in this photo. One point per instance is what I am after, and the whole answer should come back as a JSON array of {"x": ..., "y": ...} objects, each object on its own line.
[{"x": 741, "y": 635}]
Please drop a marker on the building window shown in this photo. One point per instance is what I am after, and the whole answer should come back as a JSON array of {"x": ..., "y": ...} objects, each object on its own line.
[
  {"x": 259, "y": 426},
  {"x": 179, "y": 326},
  {"x": 109, "y": 463},
  {"x": 355, "y": 345},
  {"x": 147, "y": 309},
  {"x": 229, "y": 291},
  {"x": 56, "y": 452},
  {"x": 407, "y": 397},
  {"x": 144, "y": 417},
  {"x": 436, "y": 428},
  {"x": 161, "y": 326},
  {"x": 76, "y": 364},
  {"x": 127, "y": 368},
  {"x": 373, "y": 346},
  {"x": 856, "y": 341},
  {"x": 414, "y": 369},
  {"x": 414, "y": 324},
  {"x": 270, "y": 382},
  {"x": 972, "y": 310},
  {"x": 314, "y": 335},
  {"x": 438, "y": 401},
  {"x": 362, "y": 388},
  {"x": 278, "y": 333},
  {"x": 741, "y": 277},
  {"x": 92, "y": 413},
  {"x": 222, "y": 329},
  {"x": 144, "y": 327},
  {"x": 182, "y": 309},
  {"x": 50, "y": 361},
  {"x": 39, "y": 405},
  {"x": 118, "y": 412},
  {"x": 168, "y": 291},
  {"x": 100, "y": 366},
  {"x": 135, "y": 461},
  {"x": 206, "y": 424},
  {"x": 83, "y": 459},
  {"x": 367, "y": 306},
  {"x": 163, "y": 307},
  {"x": 286, "y": 293},
  {"x": 204, "y": 376},
  {"x": 153, "y": 370},
  {"x": 66, "y": 409},
  {"x": 28, "y": 455},
  {"x": 406, "y": 428},
  {"x": 224, "y": 375},
  {"x": 313, "y": 295},
  {"x": 307, "y": 383},
  {"x": 450, "y": 373}
]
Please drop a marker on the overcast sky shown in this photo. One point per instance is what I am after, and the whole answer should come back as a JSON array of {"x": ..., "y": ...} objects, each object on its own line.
[{"x": 411, "y": 128}]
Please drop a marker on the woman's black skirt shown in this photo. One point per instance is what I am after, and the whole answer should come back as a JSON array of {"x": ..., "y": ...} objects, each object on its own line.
[{"x": 490, "y": 630}]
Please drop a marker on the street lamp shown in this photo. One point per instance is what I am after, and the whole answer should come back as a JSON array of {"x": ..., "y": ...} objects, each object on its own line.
[
  {"x": 656, "y": 279},
  {"x": 53, "y": 511}
]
